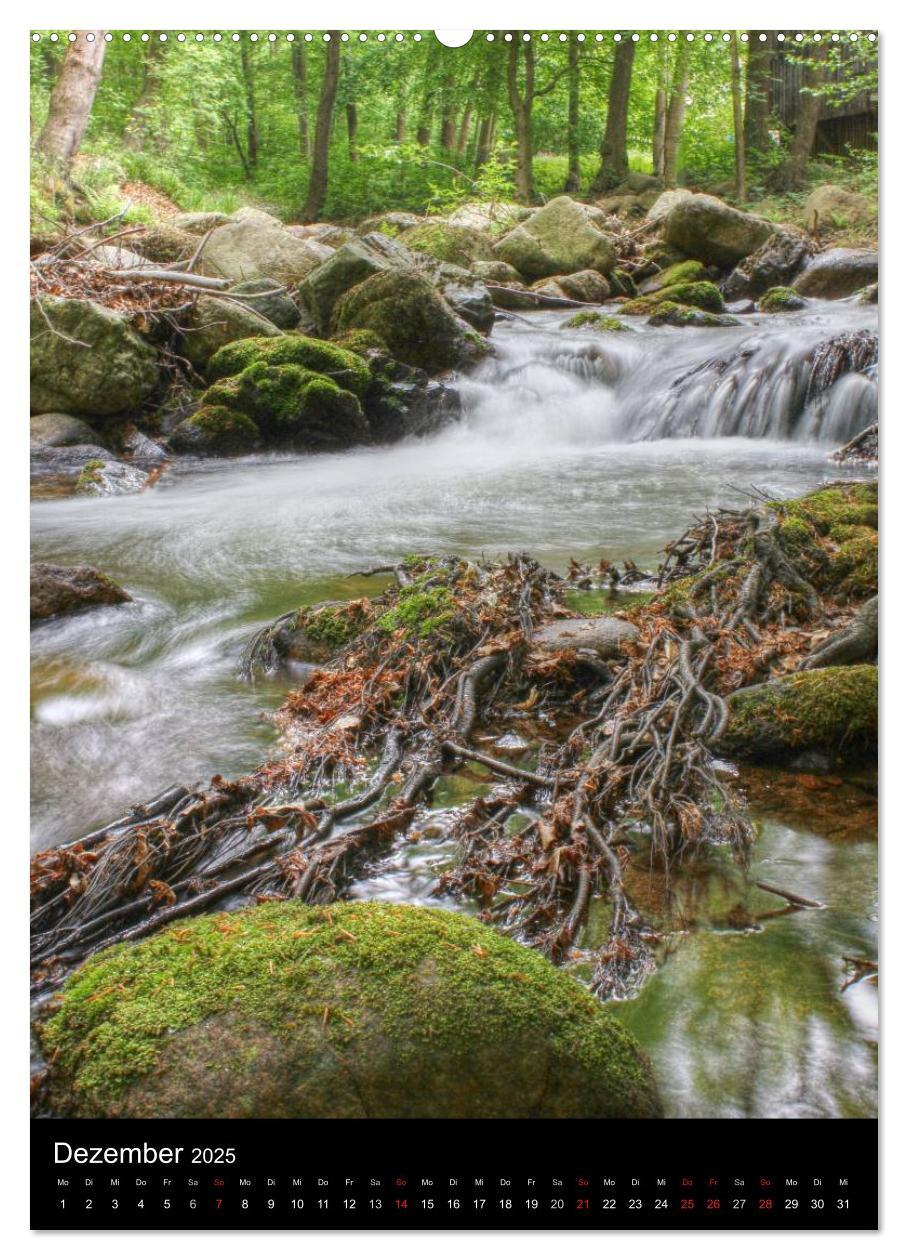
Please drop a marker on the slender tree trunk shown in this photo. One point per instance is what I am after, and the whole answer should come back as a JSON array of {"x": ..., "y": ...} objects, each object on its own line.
[
  {"x": 448, "y": 133},
  {"x": 352, "y": 126},
  {"x": 136, "y": 130},
  {"x": 613, "y": 166},
  {"x": 522, "y": 108},
  {"x": 659, "y": 134},
  {"x": 463, "y": 135},
  {"x": 318, "y": 179},
  {"x": 792, "y": 174},
  {"x": 757, "y": 93},
  {"x": 252, "y": 123},
  {"x": 72, "y": 99},
  {"x": 299, "y": 61},
  {"x": 484, "y": 142},
  {"x": 400, "y": 126},
  {"x": 737, "y": 114},
  {"x": 572, "y": 182},
  {"x": 674, "y": 118}
]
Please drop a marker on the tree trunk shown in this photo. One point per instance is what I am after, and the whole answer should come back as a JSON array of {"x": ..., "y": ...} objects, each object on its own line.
[
  {"x": 792, "y": 174},
  {"x": 400, "y": 126},
  {"x": 757, "y": 92},
  {"x": 299, "y": 61},
  {"x": 448, "y": 132},
  {"x": 484, "y": 142},
  {"x": 674, "y": 118},
  {"x": 659, "y": 134},
  {"x": 463, "y": 134},
  {"x": 522, "y": 108},
  {"x": 613, "y": 165},
  {"x": 740, "y": 159},
  {"x": 72, "y": 99},
  {"x": 572, "y": 182},
  {"x": 136, "y": 130},
  {"x": 352, "y": 125},
  {"x": 252, "y": 125},
  {"x": 318, "y": 179}
]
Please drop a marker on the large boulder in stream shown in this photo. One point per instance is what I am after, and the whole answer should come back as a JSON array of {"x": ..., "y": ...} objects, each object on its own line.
[
  {"x": 837, "y": 273},
  {"x": 351, "y": 264},
  {"x": 561, "y": 238},
  {"x": 778, "y": 260},
  {"x": 415, "y": 322},
  {"x": 250, "y": 250},
  {"x": 350, "y": 1011},
  {"x": 830, "y": 710},
  {"x": 86, "y": 358},
  {"x": 706, "y": 228},
  {"x": 57, "y": 589},
  {"x": 447, "y": 242}
]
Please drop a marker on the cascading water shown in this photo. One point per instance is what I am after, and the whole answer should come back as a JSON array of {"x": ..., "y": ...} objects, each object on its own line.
[{"x": 807, "y": 376}]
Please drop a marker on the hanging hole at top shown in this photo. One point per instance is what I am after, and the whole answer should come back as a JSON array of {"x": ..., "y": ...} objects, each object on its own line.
[{"x": 453, "y": 39}]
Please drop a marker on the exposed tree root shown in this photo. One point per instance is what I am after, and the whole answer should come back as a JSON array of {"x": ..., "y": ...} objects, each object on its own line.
[{"x": 623, "y": 725}]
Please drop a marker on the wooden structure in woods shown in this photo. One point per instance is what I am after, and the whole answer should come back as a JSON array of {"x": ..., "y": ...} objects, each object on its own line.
[{"x": 849, "y": 125}]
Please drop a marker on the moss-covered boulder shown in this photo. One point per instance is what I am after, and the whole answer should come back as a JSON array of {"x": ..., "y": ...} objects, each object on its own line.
[
  {"x": 832, "y": 710},
  {"x": 835, "y": 531},
  {"x": 496, "y": 272},
  {"x": 687, "y": 272},
  {"x": 87, "y": 358},
  {"x": 216, "y": 430},
  {"x": 581, "y": 286},
  {"x": 164, "y": 243},
  {"x": 596, "y": 321},
  {"x": 702, "y": 294},
  {"x": 676, "y": 315},
  {"x": 58, "y": 589},
  {"x": 559, "y": 239},
  {"x": 214, "y": 323},
  {"x": 348, "y": 266},
  {"x": 707, "y": 229},
  {"x": 448, "y": 243},
  {"x": 350, "y": 1011},
  {"x": 344, "y": 367},
  {"x": 780, "y": 298},
  {"x": 413, "y": 319}
]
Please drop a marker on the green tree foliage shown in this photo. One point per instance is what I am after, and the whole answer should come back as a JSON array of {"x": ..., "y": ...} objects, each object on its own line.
[{"x": 415, "y": 125}]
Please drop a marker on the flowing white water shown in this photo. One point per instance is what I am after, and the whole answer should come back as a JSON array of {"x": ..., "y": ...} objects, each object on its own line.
[{"x": 129, "y": 699}]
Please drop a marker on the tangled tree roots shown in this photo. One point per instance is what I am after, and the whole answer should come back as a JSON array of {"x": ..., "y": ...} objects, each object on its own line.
[{"x": 624, "y": 771}]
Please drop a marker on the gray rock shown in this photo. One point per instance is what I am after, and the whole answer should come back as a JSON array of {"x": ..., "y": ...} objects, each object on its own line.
[
  {"x": 252, "y": 214},
  {"x": 472, "y": 303},
  {"x": 56, "y": 428},
  {"x": 837, "y": 273},
  {"x": 252, "y": 250},
  {"x": 666, "y": 202},
  {"x": 57, "y": 589},
  {"x": 109, "y": 478},
  {"x": 829, "y": 207},
  {"x": 559, "y": 239},
  {"x": 706, "y": 228},
  {"x": 215, "y": 323},
  {"x": 776, "y": 263},
  {"x": 277, "y": 307},
  {"x": 200, "y": 222},
  {"x": 93, "y": 361},
  {"x": 497, "y": 271},
  {"x": 607, "y": 636},
  {"x": 348, "y": 266}
]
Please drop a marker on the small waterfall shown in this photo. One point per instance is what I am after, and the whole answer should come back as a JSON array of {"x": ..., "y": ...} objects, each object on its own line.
[{"x": 810, "y": 377}]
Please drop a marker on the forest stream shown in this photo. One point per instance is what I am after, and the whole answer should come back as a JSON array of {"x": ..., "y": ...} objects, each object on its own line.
[{"x": 572, "y": 444}]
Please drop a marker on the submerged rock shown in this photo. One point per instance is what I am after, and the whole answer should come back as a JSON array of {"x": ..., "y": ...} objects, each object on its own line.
[
  {"x": 707, "y": 229},
  {"x": 355, "y": 1010},
  {"x": 559, "y": 239},
  {"x": 57, "y": 589},
  {"x": 833, "y": 710},
  {"x": 87, "y": 358}
]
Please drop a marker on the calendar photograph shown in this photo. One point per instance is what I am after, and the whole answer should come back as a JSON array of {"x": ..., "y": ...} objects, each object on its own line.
[{"x": 454, "y": 590}]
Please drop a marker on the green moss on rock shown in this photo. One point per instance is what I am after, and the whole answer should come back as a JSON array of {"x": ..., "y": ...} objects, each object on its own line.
[
  {"x": 830, "y": 709},
  {"x": 687, "y": 272},
  {"x": 361, "y": 341},
  {"x": 357, "y": 1009},
  {"x": 216, "y": 430},
  {"x": 336, "y": 362},
  {"x": 678, "y": 316},
  {"x": 596, "y": 321},
  {"x": 418, "y": 326},
  {"x": 701, "y": 294},
  {"x": 449, "y": 243},
  {"x": 780, "y": 298}
]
